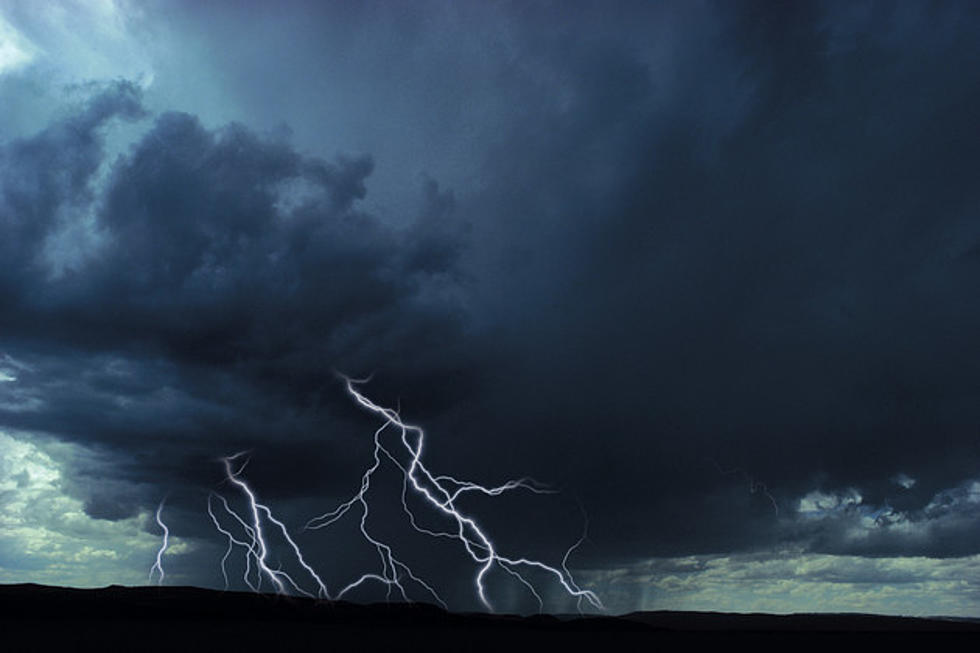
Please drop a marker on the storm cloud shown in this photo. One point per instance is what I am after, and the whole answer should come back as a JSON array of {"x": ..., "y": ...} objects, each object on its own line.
[
  {"x": 206, "y": 271},
  {"x": 710, "y": 269}
]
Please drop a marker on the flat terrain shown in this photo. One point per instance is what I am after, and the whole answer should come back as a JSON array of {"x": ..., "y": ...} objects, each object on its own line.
[{"x": 181, "y": 619}]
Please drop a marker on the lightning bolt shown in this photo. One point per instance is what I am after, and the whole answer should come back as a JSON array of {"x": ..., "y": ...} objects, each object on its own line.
[
  {"x": 390, "y": 565},
  {"x": 754, "y": 485},
  {"x": 439, "y": 493},
  {"x": 158, "y": 565},
  {"x": 256, "y": 545},
  {"x": 232, "y": 541}
]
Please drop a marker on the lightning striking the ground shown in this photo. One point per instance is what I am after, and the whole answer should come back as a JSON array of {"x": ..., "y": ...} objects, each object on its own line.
[
  {"x": 158, "y": 565},
  {"x": 403, "y": 449},
  {"x": 256, "y": 546}
]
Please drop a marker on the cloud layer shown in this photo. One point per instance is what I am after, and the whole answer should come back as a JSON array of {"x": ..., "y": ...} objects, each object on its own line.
[{"x": 718, "y": 284}]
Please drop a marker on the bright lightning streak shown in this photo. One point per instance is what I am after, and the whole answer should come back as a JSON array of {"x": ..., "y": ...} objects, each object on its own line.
[
  {"x": 158, "y": 565},
  {"x": 571, "y": 549},
  {"x": 441, "y": 493},
  {"x": 258, "y": 548},
  {"x": 390, "y": 565},
  {"x": 232, "y": 541}
]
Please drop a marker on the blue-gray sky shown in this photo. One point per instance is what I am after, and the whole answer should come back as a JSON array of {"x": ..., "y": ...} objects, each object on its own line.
[{"x": 708, "y": 267}]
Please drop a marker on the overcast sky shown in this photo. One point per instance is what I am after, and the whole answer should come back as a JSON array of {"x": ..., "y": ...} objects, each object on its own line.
[{"x": 710, "y": 269}]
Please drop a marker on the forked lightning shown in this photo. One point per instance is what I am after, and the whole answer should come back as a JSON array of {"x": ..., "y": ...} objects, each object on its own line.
[{"x": 438, "y": 493}]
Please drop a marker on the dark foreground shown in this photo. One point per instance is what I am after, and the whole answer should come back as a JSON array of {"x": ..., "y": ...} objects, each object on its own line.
[{"x": 181, "y": 619}]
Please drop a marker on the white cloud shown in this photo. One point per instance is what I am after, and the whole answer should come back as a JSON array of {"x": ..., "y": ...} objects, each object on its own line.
[
  {"x": 838, "y": 579},
  {"x": 904, "y": 480},
  {"x": 46, "y": 536},
  {"x": 62, "y": 46},
  {"x": 84, "y": 39},
  {"x": 16, "y": 51},
  {"x": 845, "y": 522},
  {"x": 10, "y": 367},
  {"x": 820, "y": 504},
  {"x": 794, "y": 581}
]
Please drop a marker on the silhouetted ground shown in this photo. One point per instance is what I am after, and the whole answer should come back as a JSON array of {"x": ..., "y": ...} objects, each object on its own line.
[{"x": 181, "y": 619}]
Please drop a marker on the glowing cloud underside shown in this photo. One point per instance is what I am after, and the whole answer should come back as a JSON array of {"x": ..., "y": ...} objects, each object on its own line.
[{"x": 438, "y": 493}]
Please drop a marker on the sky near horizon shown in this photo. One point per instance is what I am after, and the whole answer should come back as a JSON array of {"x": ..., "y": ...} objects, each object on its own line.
[{"x": 709, "y": 269}]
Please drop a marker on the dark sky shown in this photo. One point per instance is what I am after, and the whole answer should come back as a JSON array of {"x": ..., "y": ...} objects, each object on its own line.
[{"x": 710, "y": 269}]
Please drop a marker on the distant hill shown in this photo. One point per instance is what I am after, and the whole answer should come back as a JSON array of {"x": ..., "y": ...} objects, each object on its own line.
[{"x": 182, "y": 619}]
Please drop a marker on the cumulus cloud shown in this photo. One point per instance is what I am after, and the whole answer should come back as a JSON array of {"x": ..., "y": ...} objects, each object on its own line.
[
  {"x": 46, "y": 535},
  {"x": 845, "y": 523},
  {"x": 221, "y": 264},
  {"x": 200, "y": 259}
]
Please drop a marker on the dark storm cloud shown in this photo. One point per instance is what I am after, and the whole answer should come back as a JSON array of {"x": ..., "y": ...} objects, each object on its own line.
[
  {"x": 849, "y": 523},
  {"x": 750, "y": 242},
  {"x": 41, "y": 174},
  {"x": 764, "y": 260},
  {"x": 222, "y": 244},
  {"x": 229, "y": 276}
]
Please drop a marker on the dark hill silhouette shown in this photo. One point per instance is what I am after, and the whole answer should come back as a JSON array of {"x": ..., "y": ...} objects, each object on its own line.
[{"x": 182, "y": 619}]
